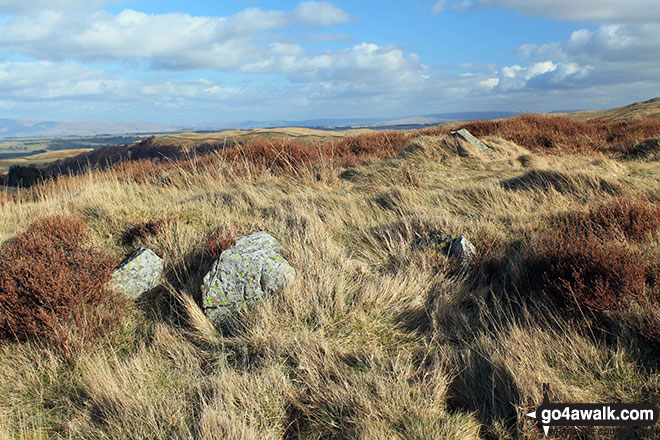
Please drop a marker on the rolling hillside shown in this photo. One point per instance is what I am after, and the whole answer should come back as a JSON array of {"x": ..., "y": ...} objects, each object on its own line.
[{"x": 639, "y": 110}]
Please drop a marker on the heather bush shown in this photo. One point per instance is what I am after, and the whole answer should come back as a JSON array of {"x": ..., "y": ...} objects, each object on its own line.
[
  {"x": 584, "y": 273},
  {"x": 633, "y": 219},
  {"x": 588, "y": 263},
  {"x": 52, "y": 286},
  {"x": 379, "y": 145},
  {"x": 216, "y": 241},
  {"x": 290, "y": 155}
]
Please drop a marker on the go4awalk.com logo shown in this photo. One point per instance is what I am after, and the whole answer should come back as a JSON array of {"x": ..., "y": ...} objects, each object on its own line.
[{"x": 550, "y": 414}]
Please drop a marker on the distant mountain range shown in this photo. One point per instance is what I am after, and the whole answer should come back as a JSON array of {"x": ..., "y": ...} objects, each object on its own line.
[{"x": 33, "y": 128}]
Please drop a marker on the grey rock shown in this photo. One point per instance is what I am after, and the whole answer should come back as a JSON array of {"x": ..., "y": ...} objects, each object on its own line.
[
  {"x": 463, "y": 249},
  {"x": 243, "y": 275},
  {"x": 138, "y": 273},
  {"x": 467, "y": 136}
]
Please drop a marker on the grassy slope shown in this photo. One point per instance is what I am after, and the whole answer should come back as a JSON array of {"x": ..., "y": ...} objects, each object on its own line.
[
  {"x": 639, "y": 110},
  {"x": 373, "y": 340}
]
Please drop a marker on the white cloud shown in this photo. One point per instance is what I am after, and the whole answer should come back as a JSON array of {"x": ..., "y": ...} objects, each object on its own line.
[
  {"x": 438, "y": 7},
  {"x": 48, "y": 81},
  {"x": 320, "y": 14},
  {"x": 616, "y": 11},
  {"x": 542, "y": 75},
  {"x": 616, "y": 42},
  {"x": 363, "y": 64},
  {"x": 163, "y": 41},
  {"x": 489, "y": 83},
  {"x": 612, "y": 54},
  {"x": 45, "y": 80}
]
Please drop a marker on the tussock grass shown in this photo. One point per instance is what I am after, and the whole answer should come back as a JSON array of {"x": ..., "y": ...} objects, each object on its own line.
[{"x": 377, "y": 337}]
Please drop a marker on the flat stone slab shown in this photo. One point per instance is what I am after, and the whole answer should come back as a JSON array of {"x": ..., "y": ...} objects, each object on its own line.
[
  {"x": 467, "y": 136},
  {"x": 138, "y": 273},
  {"x": 243, "y": 275}
]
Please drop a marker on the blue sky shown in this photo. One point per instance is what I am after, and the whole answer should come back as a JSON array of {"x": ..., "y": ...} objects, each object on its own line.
[{"x": 218, "y": 61}]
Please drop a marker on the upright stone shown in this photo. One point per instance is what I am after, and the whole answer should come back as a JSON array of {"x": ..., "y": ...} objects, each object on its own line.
[
  {"x": 244, "y": 274},
  {"x": 467, "y": 136},
  {"x": 138, "y": 273}
]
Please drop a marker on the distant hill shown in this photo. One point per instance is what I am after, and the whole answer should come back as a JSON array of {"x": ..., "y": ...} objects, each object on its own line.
[
  {"x": 639, "y": 110},
  {"x": 33, "y": 128},
  {"x": 23, "y": 128}
]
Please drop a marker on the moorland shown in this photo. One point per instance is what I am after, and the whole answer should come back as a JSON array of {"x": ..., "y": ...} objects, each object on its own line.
[{"x": 381, "y": 335}]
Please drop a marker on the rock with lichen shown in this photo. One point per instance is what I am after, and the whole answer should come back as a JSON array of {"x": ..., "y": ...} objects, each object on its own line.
[
  {"x": 243, "y": 275},
  {"x": 138, "y": 273}
]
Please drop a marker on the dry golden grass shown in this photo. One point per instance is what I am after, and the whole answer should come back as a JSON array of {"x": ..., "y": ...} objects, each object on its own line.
[
  {"x": 376, "y": 339},
  {"x": 300, "y": 134}
]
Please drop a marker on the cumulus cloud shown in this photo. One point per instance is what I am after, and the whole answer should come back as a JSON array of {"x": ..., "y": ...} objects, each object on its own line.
[
  {"x": 250, "y": 42},
  {"x": 320, "y": 14},
  {"x": 50, "y": 81},
  {"x": 366, "y": 64},
  {"x": 613, "y": 53},
  {"x": 269, "y": 49},
  {"x": 541, "y": 75},
  {"x": 616, "y": 43},
  {"x": 43, "y": 80},
  {"x": 600, "y": 11},
  {"x": 618, "y": 52},
  {"x": 163, "y": 41}
]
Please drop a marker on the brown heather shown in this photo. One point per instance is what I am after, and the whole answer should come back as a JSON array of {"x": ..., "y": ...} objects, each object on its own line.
[
  {"x": 561, "y": 134},
  {"x": 587, "y": 274},
  {"x": 290, "y": 155},
  {"x": 216, "y": 241},
  {"x": 52, "y": 286},
  {"x": 590, "y": 264},
  {"x": 631, "y": 218}
]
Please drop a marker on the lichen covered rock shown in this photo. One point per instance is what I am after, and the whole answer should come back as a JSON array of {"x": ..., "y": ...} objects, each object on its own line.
[
  {"x": 138, "y": 273},
  {"x": 244, "y": 274}
]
